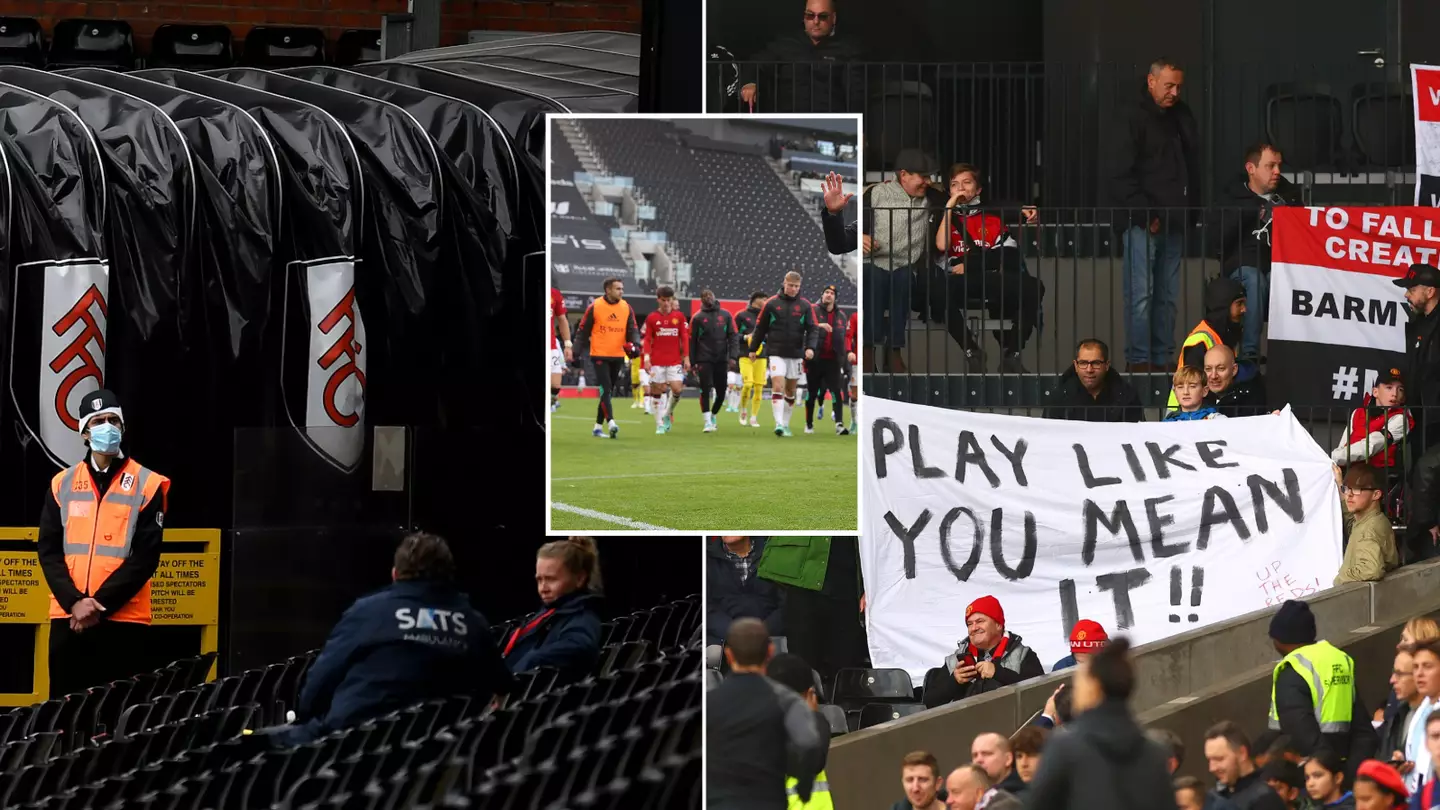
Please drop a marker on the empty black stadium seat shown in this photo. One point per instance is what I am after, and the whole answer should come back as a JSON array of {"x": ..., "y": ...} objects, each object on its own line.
[
  {"x": 898, "y": 115},
  {"x": 835, "y": 716},
  {"x": 1305, "y": 121},
  {"x": 855, "y": 687},
  {"x": 276, "y": 48},
  {"x": 357, "y": 45},
  {"x": 873, "y": 714},
  {"x": 1382, "y": 124},
  {"x": 92, "y": 43},
  {"x": 22, "y": 42},
  {"x": 192, "y": 47}
]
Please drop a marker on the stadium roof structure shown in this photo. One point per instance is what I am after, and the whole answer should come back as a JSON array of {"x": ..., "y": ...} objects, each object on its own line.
[{"x": 588, "y": 71}]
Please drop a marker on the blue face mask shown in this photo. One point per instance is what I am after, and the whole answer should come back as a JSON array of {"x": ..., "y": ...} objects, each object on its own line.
[{"x": 105, "y": 439}]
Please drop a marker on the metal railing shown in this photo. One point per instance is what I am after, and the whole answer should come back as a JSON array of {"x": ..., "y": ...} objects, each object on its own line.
[
  {"x": 1012, "y": 316},
  {"x": 1042, "y": 131}
]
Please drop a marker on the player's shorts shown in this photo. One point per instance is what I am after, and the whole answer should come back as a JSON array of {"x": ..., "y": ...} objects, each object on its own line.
[
  {"x": 557, "y": 361},
  {"x": 660, "y": 375},
  {"x": 735, "y": 379},
  {"x": 791, "y": 368},
  {"x": 644, "y": 376},
  {"x": 752, "y": 371}
]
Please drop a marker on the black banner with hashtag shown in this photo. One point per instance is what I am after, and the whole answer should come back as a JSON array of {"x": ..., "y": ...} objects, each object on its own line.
[{"x": 1316, "y": 375}]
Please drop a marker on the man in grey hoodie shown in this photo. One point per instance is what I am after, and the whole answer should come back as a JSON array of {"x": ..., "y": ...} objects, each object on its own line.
[{"x": 902, "y": 214}]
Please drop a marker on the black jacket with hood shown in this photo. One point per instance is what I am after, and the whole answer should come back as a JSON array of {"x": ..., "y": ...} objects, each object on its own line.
[
  {"x": 1117, "y": 402},
  {"x": 1220, "y": 293},
  {"x": 1153, "y": 163},
  {"x": 713, "y": 337},
  {"x": 1242, "y": 218},
  {"x": 797, "y": 75},
  {"x": 1101, "y": 759},
  {"x": 1422, "y": 373}
]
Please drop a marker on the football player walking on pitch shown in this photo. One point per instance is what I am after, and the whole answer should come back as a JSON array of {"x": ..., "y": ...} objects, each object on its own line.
[
  {"x": 665, "y": 347},
  {"x": 786, "y": 325}
]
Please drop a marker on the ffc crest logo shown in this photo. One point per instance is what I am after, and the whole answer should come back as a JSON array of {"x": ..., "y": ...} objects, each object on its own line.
[
  {"x": 82, "y": 314},
  {"x": 347, "y": 347},
  {"x": 95, "y": 403}
]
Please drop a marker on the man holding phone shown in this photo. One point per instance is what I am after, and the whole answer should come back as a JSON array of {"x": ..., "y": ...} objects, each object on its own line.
[{"x": 991, "y": 657}]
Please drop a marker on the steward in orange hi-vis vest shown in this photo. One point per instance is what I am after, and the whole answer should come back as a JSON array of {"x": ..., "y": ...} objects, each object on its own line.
[{"x": 99, "y": 545}]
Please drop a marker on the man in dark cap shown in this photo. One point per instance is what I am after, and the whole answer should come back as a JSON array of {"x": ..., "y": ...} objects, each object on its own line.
[
  {"x": 1422, "y": 355},
  {"x": 1310, "y": 668},
  {"x": 902, "y": 215},
  {"x": 99, "y": 545}
]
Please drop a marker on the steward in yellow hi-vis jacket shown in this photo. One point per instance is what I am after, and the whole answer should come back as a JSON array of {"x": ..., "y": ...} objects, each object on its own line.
[{"x": 99, "y": 545}]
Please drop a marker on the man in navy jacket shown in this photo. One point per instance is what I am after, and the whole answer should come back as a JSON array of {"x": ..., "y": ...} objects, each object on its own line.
[
  {"x": 735, "y": 592},
  {"x": 412, "y": 641}
]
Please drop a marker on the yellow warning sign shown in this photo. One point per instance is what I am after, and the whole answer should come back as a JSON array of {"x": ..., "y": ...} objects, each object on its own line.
[
  {"x": 24, "y": 597},
  {"x": 186, "y": 589}
]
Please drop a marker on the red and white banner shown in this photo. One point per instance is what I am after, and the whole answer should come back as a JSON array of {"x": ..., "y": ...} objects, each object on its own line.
[
  {"x": 1426, "y": 80},
  {"x": 1336, "y": 318}
]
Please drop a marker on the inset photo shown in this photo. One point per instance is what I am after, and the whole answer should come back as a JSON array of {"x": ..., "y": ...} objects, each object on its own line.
[{"x": 702, "y": 335}]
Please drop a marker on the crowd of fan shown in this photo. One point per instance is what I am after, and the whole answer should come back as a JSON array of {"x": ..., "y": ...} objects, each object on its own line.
[{"x": 1086, "y": 749}]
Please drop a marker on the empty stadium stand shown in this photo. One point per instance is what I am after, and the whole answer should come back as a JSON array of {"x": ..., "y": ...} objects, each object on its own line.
[
  {"x": 723, "y": 209},
  {"x": 626, "y": 736}
]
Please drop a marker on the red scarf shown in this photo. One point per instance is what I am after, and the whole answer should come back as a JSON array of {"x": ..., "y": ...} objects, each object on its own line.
[
  {"x": 974, "y": 653},
  {"x": 526, "y": 630}
]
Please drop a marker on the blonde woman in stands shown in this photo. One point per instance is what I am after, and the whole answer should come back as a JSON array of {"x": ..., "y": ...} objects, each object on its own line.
[
  {"x": 565, "y": 633},
  {"x": 1418, "y": 629}
]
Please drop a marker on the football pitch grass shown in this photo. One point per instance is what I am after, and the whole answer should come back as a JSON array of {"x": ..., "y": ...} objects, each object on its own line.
[{"x": 738, "y": 478}]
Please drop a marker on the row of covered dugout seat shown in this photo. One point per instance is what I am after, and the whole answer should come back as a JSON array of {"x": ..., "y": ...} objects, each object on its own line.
[
  {"x": 111, "y": 44},
  {"x": 858, "y": 697},
  {"x": 625, "y": 736}
]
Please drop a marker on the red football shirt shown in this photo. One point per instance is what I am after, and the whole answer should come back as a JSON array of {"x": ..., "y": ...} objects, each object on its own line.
[
  {"x": 850, "y": 337},
  {"x": 557, "y": 310},
  {"x": 986, "y": 231},
  {"x": 666, "y": 338}
]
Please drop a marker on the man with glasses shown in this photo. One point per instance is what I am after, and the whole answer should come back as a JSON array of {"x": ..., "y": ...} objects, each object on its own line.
[
  {"x": 798, "y": 72},
  {"x": 1092, "y": 391},
  {"x": 99, "y": 545}
]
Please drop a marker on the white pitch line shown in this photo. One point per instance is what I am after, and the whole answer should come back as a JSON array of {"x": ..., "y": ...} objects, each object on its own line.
[
  {"x": 662, "y": 475},
  {"x": 616, "y": 519}
]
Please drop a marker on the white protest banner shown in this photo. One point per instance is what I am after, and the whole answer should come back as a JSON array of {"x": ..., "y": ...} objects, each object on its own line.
[{"x": 1151, "y": 529}]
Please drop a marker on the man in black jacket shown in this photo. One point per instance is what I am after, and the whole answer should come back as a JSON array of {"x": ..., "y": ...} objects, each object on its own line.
[
  {"x": 714, "y": 346},
  {"x": 1238, "y": 781},
  {"x": 824, "y": 372},
  {"x": 1246, "y": 233},
  {"x": 1228, "y": 393},
  {"x": 757, "y": 731},
  {"x": 987, "y": 659},
  {"x": 786, "y": 325},
  {"x": 1153, "y": 171},
  {"x": 733, "y": 591},
  {"x": 1103, "y": 759},
  {"x": 1422, "y": 354},
  {"x": 1092, "y": 391},
  {"x": 805, "y": 71},
  {"x": 1292, "y": 632}
]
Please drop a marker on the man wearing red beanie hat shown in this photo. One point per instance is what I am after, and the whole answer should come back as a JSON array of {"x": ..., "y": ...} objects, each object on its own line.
[
  {"x": 990, "y": 658},
  {"x": 1086, "y": 639}
]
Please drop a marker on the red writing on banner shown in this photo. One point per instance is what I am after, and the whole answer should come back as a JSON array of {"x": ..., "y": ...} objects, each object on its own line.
[
  {"x": 1427, "y": 94},
  {"x": 1381, "y": 241}
]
